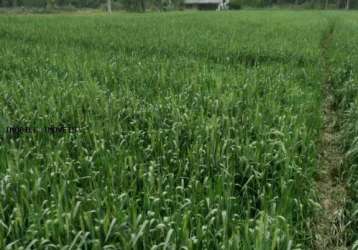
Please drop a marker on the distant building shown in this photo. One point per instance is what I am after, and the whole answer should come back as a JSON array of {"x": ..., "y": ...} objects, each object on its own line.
[{"x": 207, "y": 4}]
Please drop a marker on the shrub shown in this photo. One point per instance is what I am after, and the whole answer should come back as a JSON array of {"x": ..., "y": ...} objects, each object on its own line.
[{"x": 235, "y": 4}]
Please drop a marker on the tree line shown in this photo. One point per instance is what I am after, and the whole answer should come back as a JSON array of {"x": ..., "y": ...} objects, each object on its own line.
[
  {"x": 143, "y": 5},
  {"x": 300, "y": 3}
]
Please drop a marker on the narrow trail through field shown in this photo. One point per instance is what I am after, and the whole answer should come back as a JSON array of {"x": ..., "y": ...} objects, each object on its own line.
[{"x": 329, "y": 229}]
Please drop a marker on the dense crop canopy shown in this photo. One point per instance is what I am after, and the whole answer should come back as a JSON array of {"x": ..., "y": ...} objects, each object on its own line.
[{"x": 193, "y": 130}]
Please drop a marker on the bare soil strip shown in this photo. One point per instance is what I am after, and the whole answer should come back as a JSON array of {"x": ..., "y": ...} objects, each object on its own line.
[{"x": 330, "y": 228}]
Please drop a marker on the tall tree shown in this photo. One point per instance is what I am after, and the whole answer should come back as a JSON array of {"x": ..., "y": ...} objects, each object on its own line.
[
  {"x": 142, "y": 5},
  {"x": 109, "y": 6},
  {"x": 347, "y": 4}
]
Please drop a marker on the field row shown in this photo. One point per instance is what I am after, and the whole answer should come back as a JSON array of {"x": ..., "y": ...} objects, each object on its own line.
[
  {"x": 344, "y": 57},
  {"x": 195, "y": 130}
]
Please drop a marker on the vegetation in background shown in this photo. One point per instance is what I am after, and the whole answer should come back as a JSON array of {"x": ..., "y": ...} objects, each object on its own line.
[
  {"x": 235, "y": 4},
  {"x": 143, "y": 5}
]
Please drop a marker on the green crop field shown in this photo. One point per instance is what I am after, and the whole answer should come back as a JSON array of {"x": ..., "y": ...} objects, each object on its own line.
[{"x": 191, "y": 130}]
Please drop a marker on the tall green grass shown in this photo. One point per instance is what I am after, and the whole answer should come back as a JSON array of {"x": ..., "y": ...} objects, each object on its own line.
[
  {"x": 345, "y": 79},
  {"x": 197, "y": 130}
]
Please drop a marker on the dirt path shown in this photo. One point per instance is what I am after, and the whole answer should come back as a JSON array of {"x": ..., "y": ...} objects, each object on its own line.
[{"x": 330, "y": 227}]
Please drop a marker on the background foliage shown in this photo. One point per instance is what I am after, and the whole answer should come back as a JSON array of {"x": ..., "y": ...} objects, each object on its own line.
[{"x": 137, "y": 5}]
